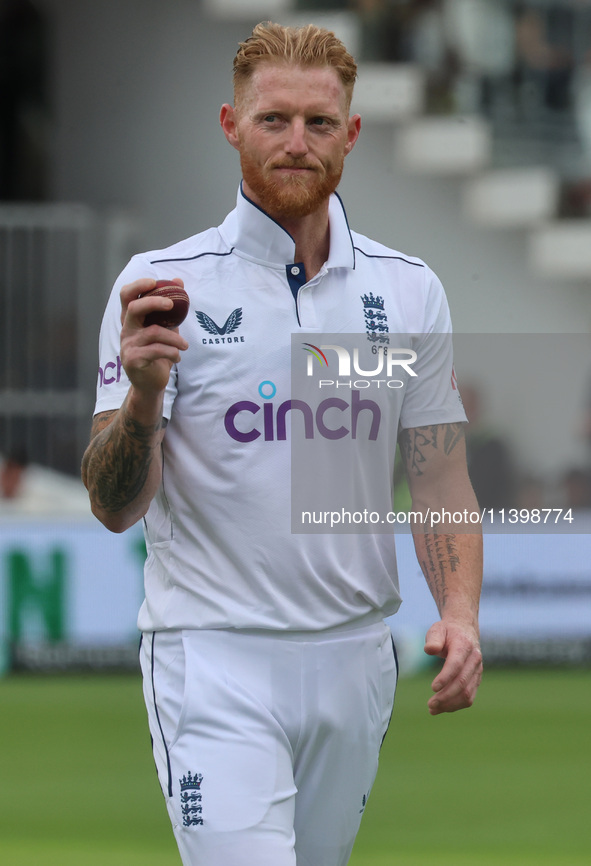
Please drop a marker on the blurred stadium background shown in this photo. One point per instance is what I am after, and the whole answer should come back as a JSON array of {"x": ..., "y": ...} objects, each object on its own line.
[{"x": 476, "y": 156}]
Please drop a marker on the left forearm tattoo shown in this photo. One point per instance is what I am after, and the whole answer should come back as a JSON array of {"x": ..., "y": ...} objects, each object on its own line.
[{"x": 440, "y": 558}]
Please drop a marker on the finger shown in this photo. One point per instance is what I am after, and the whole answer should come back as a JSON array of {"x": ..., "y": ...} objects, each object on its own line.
[
  {"x": 462, "y": 688},
  {"x": 141, "y": 355},
  {"x": 459, "y": 692},
  {"x": 131, "y": 297},
  {"x": 138, "y": 309},
  {"x": 435, "y": 639},
  {"x": 135, "y": 333},
  {"x": 458, "y": 643},
  {"x": 163, "y": 336},
  {"x": 143, "y": 349},
  {"x": 132, "y": 291},
  {"x": 452, "y": 667},
  {"x": 461, "y": 701}
]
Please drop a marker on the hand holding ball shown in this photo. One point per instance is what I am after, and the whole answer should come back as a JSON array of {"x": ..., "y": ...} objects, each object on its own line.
[{"x": 168, "y": 318}]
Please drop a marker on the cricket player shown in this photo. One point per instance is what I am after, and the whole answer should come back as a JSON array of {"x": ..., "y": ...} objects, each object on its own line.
[{"x": 269, "y": 673}]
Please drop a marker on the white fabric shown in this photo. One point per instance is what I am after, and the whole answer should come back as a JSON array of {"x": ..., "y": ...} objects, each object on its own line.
[
  {"x": 280, "y": 735},
  {"x": 220, "y": 548}
]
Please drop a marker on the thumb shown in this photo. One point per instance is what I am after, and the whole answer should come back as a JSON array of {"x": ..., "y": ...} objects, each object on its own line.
[{"x": 435, "y": 639}]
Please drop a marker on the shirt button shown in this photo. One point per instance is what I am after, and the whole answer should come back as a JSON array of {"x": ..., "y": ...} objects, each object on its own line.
[{"x": 295, "y": 270}]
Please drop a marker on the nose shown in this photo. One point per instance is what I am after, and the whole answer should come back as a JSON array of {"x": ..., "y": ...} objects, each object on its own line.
[{"x": 296, "y": 144}]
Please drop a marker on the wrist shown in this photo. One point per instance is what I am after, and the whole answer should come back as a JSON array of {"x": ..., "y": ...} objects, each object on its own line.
[
  {"x": 144, "y": 408},
  {"x": 466, "y": 624}
]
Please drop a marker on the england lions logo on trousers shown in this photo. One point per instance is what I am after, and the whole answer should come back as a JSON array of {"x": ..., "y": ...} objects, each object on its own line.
[{"x": 191, "y": 798}]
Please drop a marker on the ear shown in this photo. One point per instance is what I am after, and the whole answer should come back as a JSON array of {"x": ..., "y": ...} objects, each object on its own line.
[
  {"x": 353, "y": 130},
  {"x": 229, "y": 124}
]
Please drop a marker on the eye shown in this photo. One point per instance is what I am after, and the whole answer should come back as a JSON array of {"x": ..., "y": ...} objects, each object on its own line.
[
  {"x": 319, "y": 121},
  {"x": 270, "y": 118}
]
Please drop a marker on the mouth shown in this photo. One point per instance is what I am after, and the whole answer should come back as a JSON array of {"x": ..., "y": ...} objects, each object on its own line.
[
  {"x": 287, "y": 174},
  {"x": 294, "y": 171}
]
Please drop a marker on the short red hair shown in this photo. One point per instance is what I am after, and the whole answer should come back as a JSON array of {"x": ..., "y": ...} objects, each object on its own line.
[{"x": 307, "y": 46}]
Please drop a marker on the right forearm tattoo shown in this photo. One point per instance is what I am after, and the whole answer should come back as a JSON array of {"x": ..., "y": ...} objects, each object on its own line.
[{"x": 119, "y": 463}]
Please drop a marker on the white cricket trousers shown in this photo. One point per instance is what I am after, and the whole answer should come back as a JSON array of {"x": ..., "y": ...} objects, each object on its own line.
[{"x": 266, "y": 743}]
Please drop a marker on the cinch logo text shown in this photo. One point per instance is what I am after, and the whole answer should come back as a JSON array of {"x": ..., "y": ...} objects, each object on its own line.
[{"x": 240, "y": 424}]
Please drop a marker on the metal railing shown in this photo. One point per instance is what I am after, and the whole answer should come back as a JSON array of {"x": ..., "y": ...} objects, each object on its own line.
[{"x": 52, "y": 266}]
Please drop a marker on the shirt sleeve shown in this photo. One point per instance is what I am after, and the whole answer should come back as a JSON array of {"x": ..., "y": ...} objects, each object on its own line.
[
  {"x": 112, "y": 382},
  {"x": 432, "y": 396}
]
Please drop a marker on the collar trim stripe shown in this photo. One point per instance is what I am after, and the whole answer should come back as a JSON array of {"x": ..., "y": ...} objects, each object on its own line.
[
  {"x": 250, "y": 201},
  {"x": 353, "y": 247},
  {"x": 398, "y": 258},
  {"x": 192, "y": 258}
]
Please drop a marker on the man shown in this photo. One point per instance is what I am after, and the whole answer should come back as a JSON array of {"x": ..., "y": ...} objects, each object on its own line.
[{"x": 269, "y": 673}]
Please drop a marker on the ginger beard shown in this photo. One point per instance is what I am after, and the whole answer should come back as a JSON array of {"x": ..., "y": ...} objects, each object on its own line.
[{"x": 290, "y": 196}]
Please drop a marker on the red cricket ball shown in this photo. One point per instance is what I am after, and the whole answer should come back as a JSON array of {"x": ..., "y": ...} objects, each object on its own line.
[{"x": 168, "y": 318}]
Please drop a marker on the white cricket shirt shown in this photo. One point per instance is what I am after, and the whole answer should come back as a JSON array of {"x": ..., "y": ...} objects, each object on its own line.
[{"x": 221, "y": 552}]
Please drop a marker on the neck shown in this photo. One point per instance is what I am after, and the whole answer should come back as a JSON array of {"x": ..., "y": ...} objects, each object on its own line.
[
  {"x": 312, "y": 239},
  {"x": 310, "y": 233}
]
